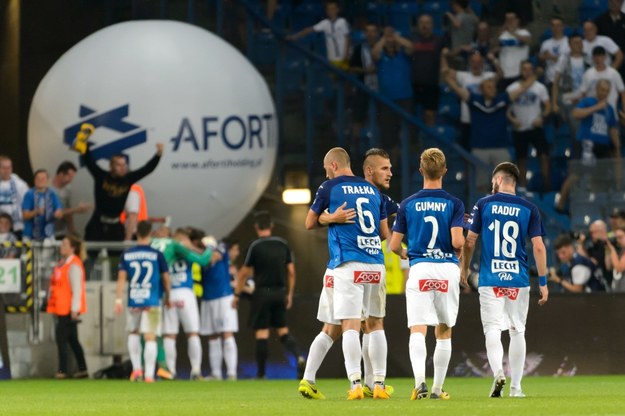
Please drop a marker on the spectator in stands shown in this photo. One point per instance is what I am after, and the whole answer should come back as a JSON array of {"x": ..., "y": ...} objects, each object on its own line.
[
  {"x": 463, "y": 23},
  {"x": 391, "y": 54},
  {"x": 601, "y": 71},
  {"x": 41, "y": 208},
  {"x": 336, "y": 32},
  {"x": 617, "y": 220},
  {"x": 569, "y": 72},
  {"x": 12, "y": 191},
  {"x": 527, "y": 115},
  {"x": 60, "y": 184},
  {"x": 489, "y": 129},
  {"x": 470, "y": 80},
  {"x": 485, "y": 45},
  {"x": 426, "y": 60},
  {"x": 614, "y": 55},
  {"x": 612, "y": 24},
  {"x": 552, "y": 49},
  {"x": 362, "y": 64},
  {"x": 616, "y": 252},
  {"x": 597, "y": 136},
  {"x": 593, "y": 246},
  {"x": 514, "y": 48},
  {"x": 580, "y": 274},
  {"x": 7, "y": 238}
]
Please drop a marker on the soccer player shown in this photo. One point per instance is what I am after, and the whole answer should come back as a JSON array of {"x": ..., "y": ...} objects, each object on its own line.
[
  {"x": 218, "y": 319},
  {"x": 505, "y": 221},
  {"x": 377, "y": 171},
  {"x": 149, "y": 279},
  {"x": 270, "y": 261},
  {"x": 184, "y": 310},
  {"x": 433, "y": 221},
  {"x": 356, "y": 260}
]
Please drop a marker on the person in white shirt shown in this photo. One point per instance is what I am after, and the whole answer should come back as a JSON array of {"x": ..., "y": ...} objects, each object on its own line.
[
  {"x": 513, "y": 47},
  {"x": 471, "y": 80},
  {"x": 553, "y": 48},
  {"x": 336, "y": 31},
  {"x": 12, "y": 191},
  {"x": 527, "y": 114},
  {"x": 592, "y": 40},
  {"x": 569, "y": 72},
  {"x": 601, "y": 71}
]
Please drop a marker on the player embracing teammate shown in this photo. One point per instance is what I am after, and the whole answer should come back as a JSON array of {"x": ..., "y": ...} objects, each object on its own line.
[{"x": 432, "y": 222}]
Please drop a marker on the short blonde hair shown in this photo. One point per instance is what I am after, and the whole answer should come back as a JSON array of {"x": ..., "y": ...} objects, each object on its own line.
[
  {"x": 433, "y": 163},
  {"x": 338, "y": 155}
]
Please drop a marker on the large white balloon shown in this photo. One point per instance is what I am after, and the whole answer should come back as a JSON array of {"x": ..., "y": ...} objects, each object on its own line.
[{"x": 145, "y": 82}]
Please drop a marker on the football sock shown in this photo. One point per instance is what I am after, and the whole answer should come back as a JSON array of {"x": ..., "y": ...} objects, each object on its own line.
[
  {"x": 134, "y": 350},
  {"x": 442, "y": 355},
  {"x": 352, "y": 354},
  {"x": 418, "y": 352},
  {"x": 378, "y": 350},
  {"x": 262, "y": 352},
  {"x": 170, "y": 353},
  {"x": 516, "y": 356},
  {"x": 366, "y": 360},
  {"x": 194, "y": 349},
  {"x": 494, "y": 350},
  {"x": 149, "y": 358},
  {"x": 230, "y": 356},
  {"x": 289, "y": 344},
  {"x": 161, "y": 357},
  {"x": 215, "y": 356},
  {"x": 318, "y": 350}
]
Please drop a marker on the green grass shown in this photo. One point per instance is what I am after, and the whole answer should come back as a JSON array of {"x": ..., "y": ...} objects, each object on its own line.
[{"x": 546, "y": 396}]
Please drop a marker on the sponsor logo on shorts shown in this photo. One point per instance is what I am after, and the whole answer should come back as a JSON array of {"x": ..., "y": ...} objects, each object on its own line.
[
  {"x": 505, "y": 266},
  {"x": 508, "y": 292},
  {"x": 367, "y": 277},
  {"x": 328, "y": 281},
  {"x": 426, "y": 285}
]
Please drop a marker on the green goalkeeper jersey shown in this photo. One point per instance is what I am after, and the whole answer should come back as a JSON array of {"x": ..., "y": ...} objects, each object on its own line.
[{"x": 174, "y": 251}]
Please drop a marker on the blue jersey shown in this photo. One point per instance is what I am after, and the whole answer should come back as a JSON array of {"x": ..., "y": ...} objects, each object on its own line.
[
  {"x": 144, "y": 266},
  {"x": 181, "y": 274},
  {"x": 489, "y": 125},
  {"x": 216, "y": 278},
  {"x": 359, "y": 241},
  {"x": 596, "y": 126},
  {"x": 426, "y": 218},
  {"x": 391, "y": 208},
  {"x": 505, "y": 222}
]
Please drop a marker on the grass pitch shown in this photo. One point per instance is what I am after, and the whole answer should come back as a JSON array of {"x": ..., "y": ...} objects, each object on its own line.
[{"x": 579, "y": 395}]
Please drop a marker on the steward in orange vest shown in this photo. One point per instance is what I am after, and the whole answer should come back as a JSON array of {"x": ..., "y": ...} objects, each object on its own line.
[{"x": 60, "y": 300}]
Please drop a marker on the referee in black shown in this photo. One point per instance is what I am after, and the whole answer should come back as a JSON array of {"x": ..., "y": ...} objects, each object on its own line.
[{"x": 270, "y": 261}]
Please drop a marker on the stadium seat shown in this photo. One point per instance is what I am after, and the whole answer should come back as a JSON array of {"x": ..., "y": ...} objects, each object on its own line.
[
  {"x": 306, "y": 15},
  {"x": 376, "y": 12},
  {"x": 590, "y": 9},
  {"x": 402, "y": 16},
  {"x": 265, "y": 50},
  {"x": 437, "y": 10},
  {"x": 476, "y": 6}
]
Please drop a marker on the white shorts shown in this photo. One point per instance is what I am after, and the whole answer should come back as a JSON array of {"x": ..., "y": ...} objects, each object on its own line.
[
  {"x": 144, "y": 320},
  {"x": 183, "y": 311},
  {"x": 325, "y": 313},
  {"x": 350, "y": 298},
  {"x": 218, "y": 316},
  {"x": 504, "y": 308},
  {"x": 432, "y": 294}
]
